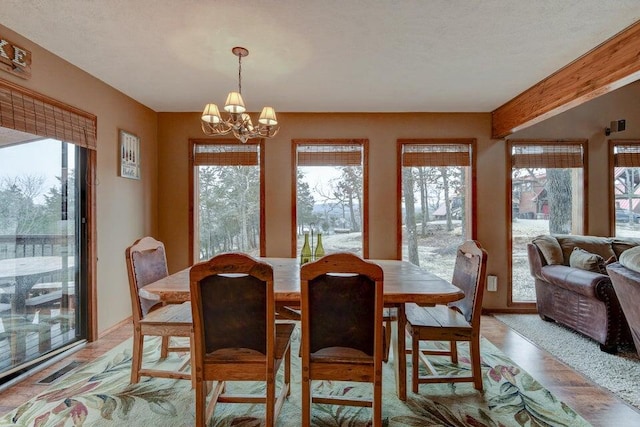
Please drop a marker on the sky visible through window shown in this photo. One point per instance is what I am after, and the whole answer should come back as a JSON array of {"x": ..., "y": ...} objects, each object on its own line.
[{"x": 39, "y": 158}]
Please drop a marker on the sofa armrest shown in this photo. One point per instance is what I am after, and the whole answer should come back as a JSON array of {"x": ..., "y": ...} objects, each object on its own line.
[
  {"x": 536, "y": 260},
  {"x": 577, "y": 280}
]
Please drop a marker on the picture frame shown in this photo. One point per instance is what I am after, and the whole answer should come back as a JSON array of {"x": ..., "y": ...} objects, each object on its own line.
[{"x": 129, "y": 155}]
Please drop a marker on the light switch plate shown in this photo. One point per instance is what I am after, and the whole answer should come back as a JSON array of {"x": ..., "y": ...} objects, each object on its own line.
[{"x": 492, "y": 283}]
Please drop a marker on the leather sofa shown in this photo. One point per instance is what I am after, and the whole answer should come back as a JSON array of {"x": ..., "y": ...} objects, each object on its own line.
[
  {"x": 626, "y": 283},
  {"x": 568, "y": 293}
]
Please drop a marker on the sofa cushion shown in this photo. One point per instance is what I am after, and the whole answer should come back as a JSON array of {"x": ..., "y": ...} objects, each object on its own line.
[
  {"x": 631, "y": 258},
  {"x": 550, "y": 249},
  {"x": 587, "y": 261},
  {"x": 620, "y": 245},
  {"x": 594, "y": 244}
]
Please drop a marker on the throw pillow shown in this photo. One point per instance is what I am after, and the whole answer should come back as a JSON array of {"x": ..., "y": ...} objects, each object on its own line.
[
  {"x": 631, "y": 259},
  {"x": 587, "y": 261},
  {"x": 550, "y": 249}
]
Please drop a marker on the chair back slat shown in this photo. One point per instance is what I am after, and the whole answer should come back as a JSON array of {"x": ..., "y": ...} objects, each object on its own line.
[
  {"x": 469, "y": 274},
  {"x": 341, "y": 312},
  {"x": 234, "y": 312}
]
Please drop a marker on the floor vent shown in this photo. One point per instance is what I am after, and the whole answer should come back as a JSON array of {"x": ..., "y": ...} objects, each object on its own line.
[{"x": 60, "y": 372}]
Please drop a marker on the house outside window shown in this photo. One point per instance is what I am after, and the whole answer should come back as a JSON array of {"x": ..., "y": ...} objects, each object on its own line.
[
  {"x": 547, "y": 197},
  {"x": 626, "y": 187}
]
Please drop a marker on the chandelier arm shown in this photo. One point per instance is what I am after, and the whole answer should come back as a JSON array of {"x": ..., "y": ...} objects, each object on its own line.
[{"x": 210, "y": 129}]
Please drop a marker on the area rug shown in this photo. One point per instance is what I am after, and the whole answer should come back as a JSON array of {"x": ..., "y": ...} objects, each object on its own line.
[
  {"x": 620, "y": 373},
  {"x": 99, "y": 394}
]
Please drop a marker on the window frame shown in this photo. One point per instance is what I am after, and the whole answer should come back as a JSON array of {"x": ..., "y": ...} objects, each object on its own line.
[
  {"x": 26, "y": 110},
  {"x": 472, "y": 200},
  {"x": 530, "y": 306},
  {"x": 193, "y": 212},
  {"x": 364, "y": 143},
  {"x": 613, "y": 143}
]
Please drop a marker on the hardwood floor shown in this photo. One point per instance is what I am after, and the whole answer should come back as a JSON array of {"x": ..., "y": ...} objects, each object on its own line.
[{"x": 595, "y": 404}]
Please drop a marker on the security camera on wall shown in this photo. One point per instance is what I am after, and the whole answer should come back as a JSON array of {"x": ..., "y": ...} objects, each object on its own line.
[{"x": 615, "y": 126}]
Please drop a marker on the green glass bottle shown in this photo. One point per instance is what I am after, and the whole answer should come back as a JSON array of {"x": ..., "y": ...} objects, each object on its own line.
[
  {"x": 319, "y": 253},
  {"x": 305, "y": 254}
]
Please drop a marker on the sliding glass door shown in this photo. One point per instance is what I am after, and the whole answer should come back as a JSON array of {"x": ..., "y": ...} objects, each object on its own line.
[{"x": 42, "y": 273}]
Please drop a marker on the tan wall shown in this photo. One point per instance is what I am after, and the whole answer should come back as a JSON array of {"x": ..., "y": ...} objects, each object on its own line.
[{"x": 126, "y": 209}]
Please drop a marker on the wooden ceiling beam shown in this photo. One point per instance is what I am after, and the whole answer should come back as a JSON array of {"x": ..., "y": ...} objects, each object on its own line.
[{"x": 607, "y": 67}]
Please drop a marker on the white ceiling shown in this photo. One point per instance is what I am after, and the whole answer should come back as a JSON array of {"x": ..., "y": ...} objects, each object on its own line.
[{"x": 321, "y": 56}]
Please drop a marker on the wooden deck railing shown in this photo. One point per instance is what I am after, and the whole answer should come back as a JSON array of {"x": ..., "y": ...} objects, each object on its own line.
[{"x": 29, "y": 245}]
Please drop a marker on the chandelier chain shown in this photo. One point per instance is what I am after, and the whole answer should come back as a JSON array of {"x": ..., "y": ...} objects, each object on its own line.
[{"x": 240, "y": 74}]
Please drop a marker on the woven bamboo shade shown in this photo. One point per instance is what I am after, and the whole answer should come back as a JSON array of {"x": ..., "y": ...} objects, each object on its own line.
[
  {"x": 212, "y": 154},
  {"x": 330, "y": 155},
  {"x": 29, "y": 112},
  {"x": 627, "y": 155},
  {"x": 555, "y": 155},
  {"x": 415, "y": 155}
]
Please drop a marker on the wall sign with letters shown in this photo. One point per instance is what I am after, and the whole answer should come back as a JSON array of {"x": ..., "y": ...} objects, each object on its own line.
[{"x": 15, "y": 59}]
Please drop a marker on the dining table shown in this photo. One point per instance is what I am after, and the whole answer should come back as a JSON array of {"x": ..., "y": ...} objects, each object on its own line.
[{"x": 404, "y": 282}]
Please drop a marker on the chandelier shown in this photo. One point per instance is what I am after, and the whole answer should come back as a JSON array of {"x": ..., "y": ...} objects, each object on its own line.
[{"x": 238, "y": 122}]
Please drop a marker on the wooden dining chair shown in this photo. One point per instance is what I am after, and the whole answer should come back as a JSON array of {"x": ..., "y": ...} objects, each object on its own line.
[
  {"x": 457, "y": 321},
  {"x": 236, "y": 337},
  {"x": 342, "y": 339},
  {"x": 146, "y": 263}
]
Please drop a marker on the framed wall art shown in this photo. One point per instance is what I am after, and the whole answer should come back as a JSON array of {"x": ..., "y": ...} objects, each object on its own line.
[{"x": 129, "y": 155}]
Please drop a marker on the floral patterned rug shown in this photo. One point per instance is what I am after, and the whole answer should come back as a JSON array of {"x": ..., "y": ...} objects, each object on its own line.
[{"x": 99, "y": 394}]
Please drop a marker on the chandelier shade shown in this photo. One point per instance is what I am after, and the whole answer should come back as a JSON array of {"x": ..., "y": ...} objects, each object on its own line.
[{"x": 239, "y": 122}]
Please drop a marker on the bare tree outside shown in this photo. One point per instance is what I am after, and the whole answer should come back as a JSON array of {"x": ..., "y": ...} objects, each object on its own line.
[
  {"x": 434, "y": 212},
  {"x": 329, "y": 200},
  {"x": 228, "y": 210}
]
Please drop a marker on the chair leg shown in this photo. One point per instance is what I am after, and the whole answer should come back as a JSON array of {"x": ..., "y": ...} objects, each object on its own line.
[
  {"x": 387, "y": 340},
  {"x": 164, "y": 349},
  {"x": 415, "y": 367},
  {"x": 287, "y": 371},
  {"x": 201, "y": 400},
  {"x": 376, "y": 404},
  {"x": 136, "y": 356},
  {"x": 191, "y": 357},
  {"x": 474, "y": 349},
  {"x": 306, "y": 399},
  {"x": 453, "y": 348},
  {"x": 270, "y": 400}
]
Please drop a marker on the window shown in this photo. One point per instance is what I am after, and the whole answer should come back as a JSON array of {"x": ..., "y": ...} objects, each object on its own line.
[
  {"x": 547, "y": 196},
  {"x": 436, "y": 207},
  {"x": 227, "y": 199},
  {"x": 331, "y": 195},
  {"x": 47, "y": 261},
  {"x": 626, "y": 187}
]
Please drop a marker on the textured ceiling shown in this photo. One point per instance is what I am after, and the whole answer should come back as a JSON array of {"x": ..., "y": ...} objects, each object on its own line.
[{"x": 321, "y": 56}]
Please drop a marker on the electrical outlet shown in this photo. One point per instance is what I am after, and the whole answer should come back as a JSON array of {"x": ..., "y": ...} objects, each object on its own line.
[{"x": 492, "y": 283}]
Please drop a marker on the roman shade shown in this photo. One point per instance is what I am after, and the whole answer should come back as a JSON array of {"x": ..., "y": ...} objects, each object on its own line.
[
  {"x": 30, "y": 112},
  {"x": 417, "y": 155},
  {"x": 627, "y": 154},
  {"x": 330, "y": 154},
  {"x": 225, "y": 153},
  {"x": 548, "y": 154}
]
